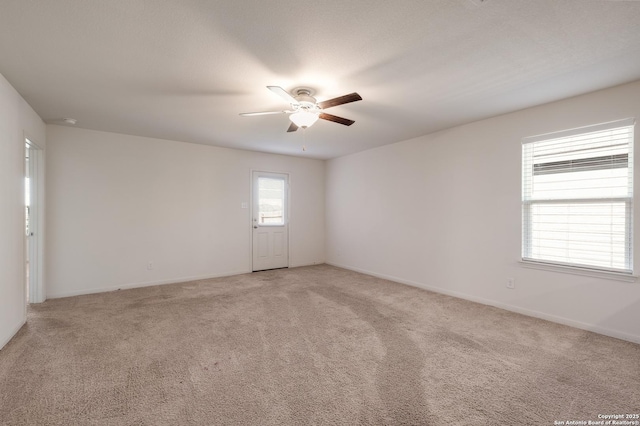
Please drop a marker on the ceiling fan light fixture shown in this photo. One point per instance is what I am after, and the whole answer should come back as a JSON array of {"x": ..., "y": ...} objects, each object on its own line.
[
  {"x": 305, "y": 110},
  {"x": 303, "y": 119}
]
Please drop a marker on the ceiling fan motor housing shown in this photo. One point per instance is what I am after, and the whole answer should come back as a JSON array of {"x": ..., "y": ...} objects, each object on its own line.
[{"x": 304, "y": 98}]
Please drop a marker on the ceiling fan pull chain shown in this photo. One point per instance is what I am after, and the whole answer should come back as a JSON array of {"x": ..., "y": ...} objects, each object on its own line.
[{"x": 304, "y": 139}]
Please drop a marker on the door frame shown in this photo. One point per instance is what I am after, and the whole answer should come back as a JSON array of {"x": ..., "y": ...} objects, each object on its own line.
[
  {"x": 36, "y": 221},
  {"x": 251, "y": 210}
]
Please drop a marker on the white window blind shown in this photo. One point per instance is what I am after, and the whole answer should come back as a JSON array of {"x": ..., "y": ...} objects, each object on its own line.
[{"x": 577, "y": 197}]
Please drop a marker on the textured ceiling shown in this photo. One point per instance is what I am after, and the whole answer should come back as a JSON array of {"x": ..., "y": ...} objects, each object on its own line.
[{"x": 184, "y": 69}]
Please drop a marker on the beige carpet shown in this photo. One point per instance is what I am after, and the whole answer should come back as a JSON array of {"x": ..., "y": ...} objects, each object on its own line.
[{"x": 313, "y": 345}]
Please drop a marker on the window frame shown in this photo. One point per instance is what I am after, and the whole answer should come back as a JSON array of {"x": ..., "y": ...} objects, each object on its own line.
[{"x": 527, "y": 242}]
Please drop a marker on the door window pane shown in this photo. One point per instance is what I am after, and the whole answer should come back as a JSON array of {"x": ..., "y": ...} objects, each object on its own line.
[{"x": 270, "y": 201}]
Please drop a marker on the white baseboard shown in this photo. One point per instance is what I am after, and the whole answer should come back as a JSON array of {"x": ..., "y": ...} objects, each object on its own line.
[
  {"x": 142, "y": 284},
  {"x": 508, "y": 307},
  {"x": 57, "y": 295},
  {"x": 12, "y": 332},
  {"x": 301, "y": 264}
]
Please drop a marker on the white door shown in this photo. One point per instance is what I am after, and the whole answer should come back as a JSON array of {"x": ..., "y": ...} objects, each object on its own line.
[
  {"x": 270, "y": 221},
  {"x": 32, "y": 219}
]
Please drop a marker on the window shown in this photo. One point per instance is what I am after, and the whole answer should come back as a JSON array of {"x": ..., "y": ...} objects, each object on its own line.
[
  {"x": 577, "y": 197},
  {"x": 271, "y": 194}
]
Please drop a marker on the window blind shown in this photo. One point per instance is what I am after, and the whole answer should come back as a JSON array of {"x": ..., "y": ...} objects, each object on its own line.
[{"x": 577, "y": 197}]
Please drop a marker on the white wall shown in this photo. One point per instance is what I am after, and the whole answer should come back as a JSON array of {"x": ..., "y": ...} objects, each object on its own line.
[
  {"x": 443, "y": 212},
  {"x": 17, "y": 121},
  {"x": 116, "y": 202}
]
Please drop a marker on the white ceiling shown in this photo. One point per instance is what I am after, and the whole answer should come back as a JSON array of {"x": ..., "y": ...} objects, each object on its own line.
[{"x": 184, "y": 69}]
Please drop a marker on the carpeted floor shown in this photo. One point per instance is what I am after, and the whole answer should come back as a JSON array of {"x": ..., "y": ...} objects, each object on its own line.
[{"x": 312, "y": 345}]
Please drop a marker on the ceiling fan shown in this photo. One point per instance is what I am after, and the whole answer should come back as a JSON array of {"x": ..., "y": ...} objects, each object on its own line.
[{"x": 305, "y": 110}]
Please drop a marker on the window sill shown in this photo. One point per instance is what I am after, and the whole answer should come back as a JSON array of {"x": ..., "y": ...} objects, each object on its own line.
[{"x": 610, "y": 275}]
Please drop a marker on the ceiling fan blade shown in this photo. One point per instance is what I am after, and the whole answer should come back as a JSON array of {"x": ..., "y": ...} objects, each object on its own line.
[
  {"x": 249, "y": 114},
  {"x": 292, "y": 128},
  {"x": 283, "y": 94},
  {"x": 351, "y": 97},
  {"x": 336, "y": 119}
]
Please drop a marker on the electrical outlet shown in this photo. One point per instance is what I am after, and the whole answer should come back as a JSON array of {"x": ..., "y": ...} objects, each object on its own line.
[
  {"x": 150, "y": 265},
  {"x": 511, "y": 283}
]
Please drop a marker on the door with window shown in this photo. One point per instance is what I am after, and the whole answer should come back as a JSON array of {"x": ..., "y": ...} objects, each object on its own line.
[{"x": 270, "y": 221}]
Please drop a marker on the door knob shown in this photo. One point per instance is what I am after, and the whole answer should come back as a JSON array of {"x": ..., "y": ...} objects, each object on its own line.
[{"x": 255, "y": 227}]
